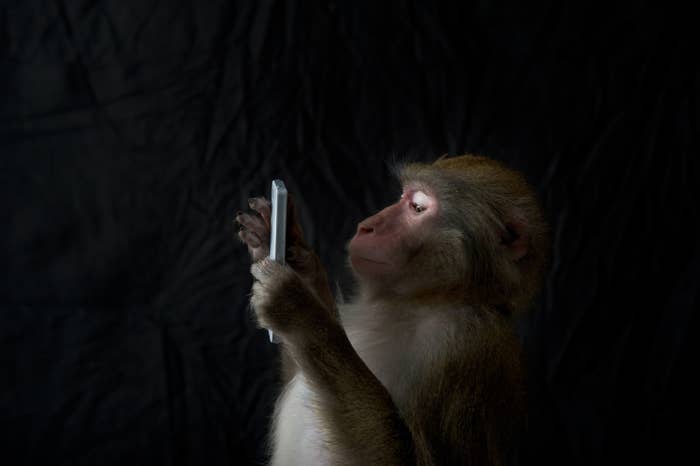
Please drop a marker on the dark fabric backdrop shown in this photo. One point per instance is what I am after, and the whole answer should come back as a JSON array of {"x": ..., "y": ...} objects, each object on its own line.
[{"x": 131, "y": 133}]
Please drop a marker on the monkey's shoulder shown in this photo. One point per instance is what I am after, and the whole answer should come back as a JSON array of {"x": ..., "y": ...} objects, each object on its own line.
[
  {"x": 474, "y": 385},
  {"x": 425, "y": 344}
]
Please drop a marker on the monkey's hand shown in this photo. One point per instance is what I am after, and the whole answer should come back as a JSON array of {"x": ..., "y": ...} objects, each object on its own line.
[
  {"x": 255, "y": 233},
  {"x": 254, "y": 229},
  {"x": 283, "y": 303}
]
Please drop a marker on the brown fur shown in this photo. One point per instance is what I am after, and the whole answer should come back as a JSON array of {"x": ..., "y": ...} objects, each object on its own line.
[
  {"x": 482, "y": 196},
  {"x": 466, "y": 401}
]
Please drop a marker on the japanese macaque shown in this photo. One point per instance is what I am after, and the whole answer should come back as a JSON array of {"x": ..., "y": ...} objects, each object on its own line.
[{"x": 422, "y": 367}]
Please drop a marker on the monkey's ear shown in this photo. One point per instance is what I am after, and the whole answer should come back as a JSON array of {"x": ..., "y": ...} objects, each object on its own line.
[{"x": 515, "y": 239}]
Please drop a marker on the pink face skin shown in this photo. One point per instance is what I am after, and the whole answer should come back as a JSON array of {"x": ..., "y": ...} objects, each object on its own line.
[{"x": 385, "y": 241}]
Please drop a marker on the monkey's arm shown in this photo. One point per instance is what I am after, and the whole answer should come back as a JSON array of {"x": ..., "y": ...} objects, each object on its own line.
[
  {"x": 471, "y": 406},
  {"x": 357, "y": 411}
]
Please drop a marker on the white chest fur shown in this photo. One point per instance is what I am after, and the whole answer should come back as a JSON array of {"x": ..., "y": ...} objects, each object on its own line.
[
  {"x": 298, "y": 438},
  {"x": 397, "y": 351}
]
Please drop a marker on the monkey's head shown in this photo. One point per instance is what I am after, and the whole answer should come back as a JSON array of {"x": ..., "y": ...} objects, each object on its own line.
[{"x": 464, "y": 228}]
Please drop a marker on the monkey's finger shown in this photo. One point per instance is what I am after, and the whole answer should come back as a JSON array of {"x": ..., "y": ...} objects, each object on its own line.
[
  {"x": 253, "y": 223},
  {"x": 257, "y": 249},
  {"x": 250, "y": 238},
  {"x": 262, "y": 206}
]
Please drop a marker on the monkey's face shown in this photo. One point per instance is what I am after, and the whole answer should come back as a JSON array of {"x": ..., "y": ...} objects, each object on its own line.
[{"x": 387, "y": 241}]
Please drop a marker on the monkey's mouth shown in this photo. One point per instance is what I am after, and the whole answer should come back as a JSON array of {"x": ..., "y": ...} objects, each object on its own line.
[{"x": 369, "y": 260}]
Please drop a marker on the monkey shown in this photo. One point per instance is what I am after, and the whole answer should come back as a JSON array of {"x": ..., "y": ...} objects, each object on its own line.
[{"x": 422, "y": 366}]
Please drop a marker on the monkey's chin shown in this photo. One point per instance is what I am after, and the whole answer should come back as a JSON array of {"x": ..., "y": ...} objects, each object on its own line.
[{"x": 365, "y": 267}]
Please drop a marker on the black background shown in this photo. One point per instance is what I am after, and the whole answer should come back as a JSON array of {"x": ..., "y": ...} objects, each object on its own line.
[{"x": 131, "y": 133}]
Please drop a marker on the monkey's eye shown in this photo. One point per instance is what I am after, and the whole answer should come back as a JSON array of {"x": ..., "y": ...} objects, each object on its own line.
[{"x": 417, "y": 207}]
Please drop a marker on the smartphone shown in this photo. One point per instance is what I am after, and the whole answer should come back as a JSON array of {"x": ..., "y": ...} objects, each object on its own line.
[{"x": 278, "y": 228}]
